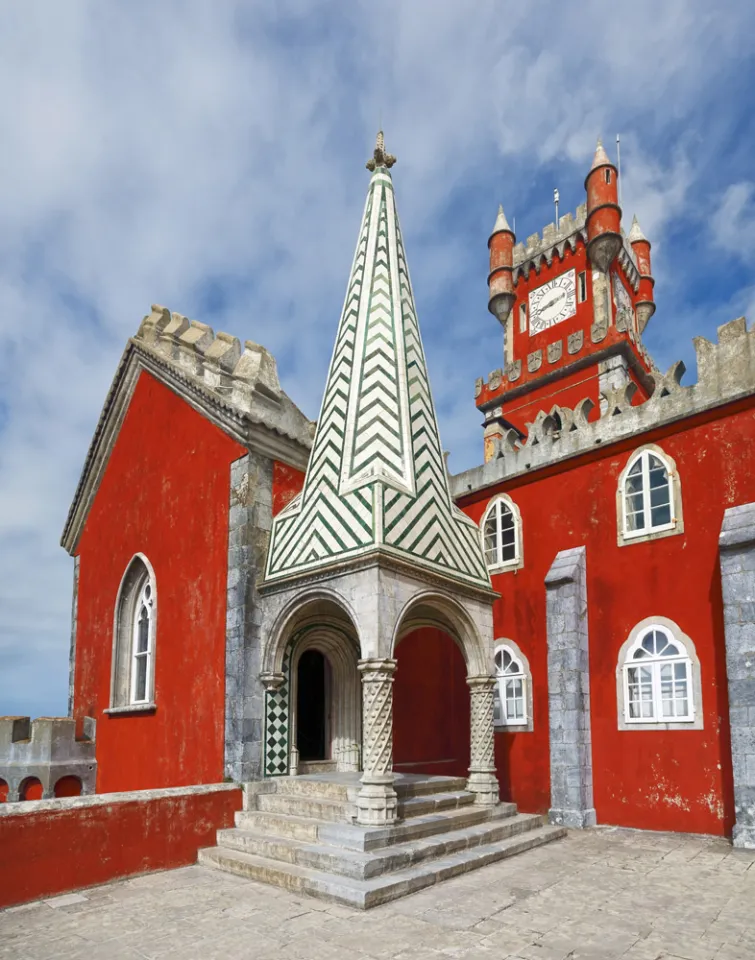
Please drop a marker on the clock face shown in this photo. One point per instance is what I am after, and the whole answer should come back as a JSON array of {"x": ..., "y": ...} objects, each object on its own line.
[{"x": 553, "y": 302}]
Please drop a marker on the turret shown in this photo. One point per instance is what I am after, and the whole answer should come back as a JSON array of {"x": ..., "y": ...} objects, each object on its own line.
[
  {"x": 645, "y": 305},
  {"x": 603, "y": 211},
  {"x": 500, "y": 280}
]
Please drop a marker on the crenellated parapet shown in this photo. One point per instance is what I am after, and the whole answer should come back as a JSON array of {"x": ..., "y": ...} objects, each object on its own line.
[
  {"x": 726, "y": 372},
  {"x": 557, "y": 238},
  {"x": 244, "y": 379},
  {"x": 234, "y": 386},
  {"x": 44, "y": 753}
]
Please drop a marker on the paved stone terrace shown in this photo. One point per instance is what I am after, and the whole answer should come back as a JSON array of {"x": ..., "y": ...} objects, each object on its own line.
[{"x": 597, "y": 895}]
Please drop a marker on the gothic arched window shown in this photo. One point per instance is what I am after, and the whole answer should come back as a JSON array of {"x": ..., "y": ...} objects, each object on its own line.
[
  {"x": 513, "y": 692},
  {"x": 133, "y": 681},
  {"x": 649, "y": 496},
  {"x": 659, "y": 677},
  {"x": 502, "y": 534}
]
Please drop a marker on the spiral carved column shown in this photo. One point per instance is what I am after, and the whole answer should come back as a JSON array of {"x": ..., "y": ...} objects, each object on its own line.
[
  {"x": 482, "y": 779},
  {"x": 376, "y": 801}
]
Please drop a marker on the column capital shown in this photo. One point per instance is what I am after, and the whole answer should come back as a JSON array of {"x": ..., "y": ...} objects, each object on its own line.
[
  {"x": 272, "y": 681},
  {"x": 375, "y": 669},
  {"x": 481, "y": 684}
]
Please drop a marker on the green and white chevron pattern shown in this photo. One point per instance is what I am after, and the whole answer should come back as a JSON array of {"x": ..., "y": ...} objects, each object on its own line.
[{"x": 376, "y": 477}]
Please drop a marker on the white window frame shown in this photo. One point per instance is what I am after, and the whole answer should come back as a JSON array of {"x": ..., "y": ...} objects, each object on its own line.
[
  {"x": 144, "y": 600},
  {"x": 523, "y": 317},
  {"x": 693, "y": 720},
  {"x": 138, "y": 580},
  {"x": 499, "y": 565},
  {"x": 502, "y": 721},
  {"x": 649, "y": 532}
]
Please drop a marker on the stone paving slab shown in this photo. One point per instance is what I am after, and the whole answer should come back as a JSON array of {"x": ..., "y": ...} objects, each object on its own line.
[{"x": 600, "y": 894}]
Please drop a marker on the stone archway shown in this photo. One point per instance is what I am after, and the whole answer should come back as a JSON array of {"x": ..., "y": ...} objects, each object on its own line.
[
  {"x": 430, "y": 705},
  {"x": 318, "y": 656}
]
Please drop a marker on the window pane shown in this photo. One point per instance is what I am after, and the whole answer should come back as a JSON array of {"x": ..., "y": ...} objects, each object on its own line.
[
  {"x": 659, "y": 516},
  {"x": 142, "y": 633},
  {"x": 140, "y": 682},
  {"x": 636, "y": 470},
  {"x": 659, "y": 496},
  {"x": 497, "y": 714}
]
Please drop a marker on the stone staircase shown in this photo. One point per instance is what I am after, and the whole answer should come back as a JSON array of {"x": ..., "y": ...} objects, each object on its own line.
[{"x": 298, "y": 833}]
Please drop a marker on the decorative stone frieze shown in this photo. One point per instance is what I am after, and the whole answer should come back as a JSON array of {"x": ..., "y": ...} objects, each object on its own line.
[
  {"x": 575, "y": 341},
  {"x": 482, "y": 780},
  {"x": 737, "y": 558},
  {"x": 555, "y": 350},
  {"x": 514, "y": 370},
  {"x": 534, "y": 360},
  {"x": 569, "y": 691},
  {"x": 478, "y": 385},
  {"x": 494, "y": 380},
  {"x": 376, "y": 801}
]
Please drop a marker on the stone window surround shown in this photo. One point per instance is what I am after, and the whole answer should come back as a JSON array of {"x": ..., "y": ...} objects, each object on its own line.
[
  {"x": 696, "y": 723},
  {"x": 527, "y": 725},
  {"x": 623, "y": 538},
  {"x": 518, "y": 562},
  {"x": 129, "y": 590}
]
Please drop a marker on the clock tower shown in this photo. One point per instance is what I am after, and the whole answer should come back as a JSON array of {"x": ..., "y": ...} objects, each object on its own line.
[{"x": 573, "y": 304}]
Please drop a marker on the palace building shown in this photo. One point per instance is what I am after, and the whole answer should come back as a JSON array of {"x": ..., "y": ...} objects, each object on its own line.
[{"x": 390, "y": 657}]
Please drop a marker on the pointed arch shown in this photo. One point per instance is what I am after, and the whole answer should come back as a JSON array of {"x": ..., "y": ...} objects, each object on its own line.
[{"x": 134, "y": 638}]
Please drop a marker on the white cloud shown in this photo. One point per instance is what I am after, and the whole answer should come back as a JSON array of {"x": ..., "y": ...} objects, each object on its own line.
[
  {"x": 733, "y": 221},
  {"x": 152, "y": 151}
]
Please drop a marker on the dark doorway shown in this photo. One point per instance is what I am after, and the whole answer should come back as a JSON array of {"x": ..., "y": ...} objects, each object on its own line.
[{"x": 310, "y": 706}]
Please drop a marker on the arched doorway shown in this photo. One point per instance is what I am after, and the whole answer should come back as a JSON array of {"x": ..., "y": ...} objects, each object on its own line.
[
  {"x": 430, "y": 705},
  {"x": 312, "y": 700}
]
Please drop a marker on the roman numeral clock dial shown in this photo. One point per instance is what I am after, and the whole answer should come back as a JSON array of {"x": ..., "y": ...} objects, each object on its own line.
[{"x": 553, "y": 302}]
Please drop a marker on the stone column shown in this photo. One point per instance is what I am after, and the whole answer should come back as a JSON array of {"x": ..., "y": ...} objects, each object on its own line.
[
  {"x": 737, "y": 557},
  {"x": 569, "y": 691},
  {"x": 482, "y": 781},
  {"x": 376, "y": 801},
  {"x": 249, "y": 520}
]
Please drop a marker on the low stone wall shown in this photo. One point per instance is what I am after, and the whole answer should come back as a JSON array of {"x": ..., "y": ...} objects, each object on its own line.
[{"x": 49, "y": 847}]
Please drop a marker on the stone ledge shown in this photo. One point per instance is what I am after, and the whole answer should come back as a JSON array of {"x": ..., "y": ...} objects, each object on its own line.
[{"x": 29, "y": 807}]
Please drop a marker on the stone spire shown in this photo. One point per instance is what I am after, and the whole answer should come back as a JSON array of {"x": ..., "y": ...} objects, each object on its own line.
[
  {"x": 376, "y": 482},
  {"x": 501, "y": 223},
  {"x": 601, "y": 157},
  {"x": 636, "y": 233},
  {"x": 380, "y": 158}
]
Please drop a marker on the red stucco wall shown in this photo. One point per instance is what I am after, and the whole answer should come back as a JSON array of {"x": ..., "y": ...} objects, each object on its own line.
[
  {"x": 430, "y": 705},
  {"x": 165, "y": 494},
  {"x": 676, "y": 780},
  {"x": 287, "y": 482},
  {"x": 46, "y": 852}
]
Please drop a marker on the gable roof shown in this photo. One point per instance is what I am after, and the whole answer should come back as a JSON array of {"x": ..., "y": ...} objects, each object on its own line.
[
  {"x": 376, "y": 480},
  {"x": 237, "y": 390}
]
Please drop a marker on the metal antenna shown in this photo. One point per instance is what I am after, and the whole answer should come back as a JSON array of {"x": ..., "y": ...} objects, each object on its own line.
[
  {"x": 618, "y": 163},
  {"x": 555, "y": 201}
]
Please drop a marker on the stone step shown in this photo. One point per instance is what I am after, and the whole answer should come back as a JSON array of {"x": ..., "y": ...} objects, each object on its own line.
[
  {"x": 423, "y": 804},
  {"x": 356, "y": 837},
  {"x": 325, "y": 787},
  {"x": 316, "y": 808},
  {"x": 365, "y": 865},
  {"x": 369, "y": 893}
]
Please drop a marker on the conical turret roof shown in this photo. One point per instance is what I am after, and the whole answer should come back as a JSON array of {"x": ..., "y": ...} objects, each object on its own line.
[
  {"x": 601, "y": 157},
  {"x": 636, "y": 233},
  {"x": 376, "y": 480},
  {"x": 501, "y": 223}
]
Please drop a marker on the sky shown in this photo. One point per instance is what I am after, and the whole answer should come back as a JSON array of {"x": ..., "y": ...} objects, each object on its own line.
[{"x": 209, "y": 157}]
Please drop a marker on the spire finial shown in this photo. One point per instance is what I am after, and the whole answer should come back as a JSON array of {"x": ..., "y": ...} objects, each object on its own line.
[{"x": 380, "y": 158}]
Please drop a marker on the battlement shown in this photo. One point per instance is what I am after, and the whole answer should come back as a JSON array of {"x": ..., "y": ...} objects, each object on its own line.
[
  {"x": 555, "y": 240},
  {"x": 46, "y": 750},
  {"x": 244, "y": 379},
  {"x": 726, "y": 372}
]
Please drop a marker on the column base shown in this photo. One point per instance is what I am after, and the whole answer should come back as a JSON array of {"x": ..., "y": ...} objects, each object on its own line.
[
  {"x": 485, "y": 788},
  {"x": 576, "y": 819},
  {"x": 377, "y": 802},
  {"x": 743, "y": 836}
]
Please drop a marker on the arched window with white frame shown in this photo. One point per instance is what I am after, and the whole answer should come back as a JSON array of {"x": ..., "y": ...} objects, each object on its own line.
[
  {"x": 649, "y": 496},
  {"x": 512, "y": 702},
  {"x": 133, "y": 675},
  {"x": 502, "y": 534},
  {"x": 658, "y": 678}
]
